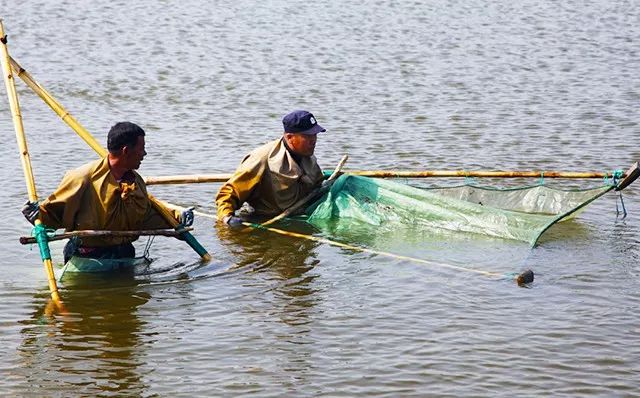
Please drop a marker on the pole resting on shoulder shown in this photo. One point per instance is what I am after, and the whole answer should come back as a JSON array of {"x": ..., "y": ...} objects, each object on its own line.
[{"x": 323, "y": 188}]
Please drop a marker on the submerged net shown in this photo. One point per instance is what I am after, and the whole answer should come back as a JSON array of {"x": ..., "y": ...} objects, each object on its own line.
[{"x": 523, "y": 213}]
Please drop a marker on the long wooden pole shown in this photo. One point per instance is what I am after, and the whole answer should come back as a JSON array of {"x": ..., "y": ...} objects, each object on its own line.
[
  {"x": 479, "y": 173},
  {"x": 25, "y": 240},
  {"x": 101, "y": 151},
  {"x": 26, "y": 164},
  {"x": 215, "y": 178}
]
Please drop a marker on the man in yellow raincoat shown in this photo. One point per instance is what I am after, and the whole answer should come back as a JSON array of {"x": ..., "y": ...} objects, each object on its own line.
[
  {"x": 276, "y": 175},
  {"x": 106, "y": 194}
]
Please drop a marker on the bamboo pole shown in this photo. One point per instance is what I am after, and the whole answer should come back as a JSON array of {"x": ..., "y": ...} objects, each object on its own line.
[
  {"x": 102, "y": 152},
  {"x": 57, "y": 108},
  {"x": 309, "y": 196},
  {"x": 25, "y": 240},
  {"x": 14, "y": 104},
  {"x": 187, "y": 179},
  {"x": 479, "y": 173},
  {"x": 216, "y": 178}
]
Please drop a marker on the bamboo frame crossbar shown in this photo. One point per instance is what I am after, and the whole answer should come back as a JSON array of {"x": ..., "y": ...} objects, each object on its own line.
[
  {"x": 25, "y": 240},
  {"x": 100, "y": 150}
]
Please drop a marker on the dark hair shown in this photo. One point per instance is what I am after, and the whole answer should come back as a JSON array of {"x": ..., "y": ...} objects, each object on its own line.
[{"x": 123, "y": 134}]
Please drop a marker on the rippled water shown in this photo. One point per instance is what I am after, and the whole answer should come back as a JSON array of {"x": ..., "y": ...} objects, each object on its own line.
[{"x": 398, "y": 85}]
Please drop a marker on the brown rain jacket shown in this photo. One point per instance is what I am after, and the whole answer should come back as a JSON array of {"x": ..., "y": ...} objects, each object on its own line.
[
  {"x": 270, "y": 180},
  {"x": 90, "y": 198}
]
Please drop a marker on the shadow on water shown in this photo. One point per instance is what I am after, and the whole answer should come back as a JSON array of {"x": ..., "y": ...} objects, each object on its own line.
[
  {"x": 152, "y": 272},
  {"x": 626, "y": 246},
  {"x": 98, "y": 345},
  {"x": 283, "y": 283},
  {"x": 94, "y": 348},
  {"x": 566, "y": 232},
  {"x": 284, "y": 258}
]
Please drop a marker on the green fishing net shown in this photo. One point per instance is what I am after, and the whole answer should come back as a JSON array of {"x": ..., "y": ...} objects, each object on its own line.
[{"x": 522, "y": 213}]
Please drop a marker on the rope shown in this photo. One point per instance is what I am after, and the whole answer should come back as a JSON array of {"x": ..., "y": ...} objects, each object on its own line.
[
  {"x": 364, "y": 250},
  {"x": 542, "y": 178},
  {"x": 624, "y": 210},
  {"x": 50, "y": 232},
  {"x": 148, "y": 247},
  {"x": 469, "y": 180},
  {"x": 616, "y": 176}
]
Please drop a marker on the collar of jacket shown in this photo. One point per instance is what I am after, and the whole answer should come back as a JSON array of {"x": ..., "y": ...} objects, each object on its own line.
[{"x": 296, "y": 157}]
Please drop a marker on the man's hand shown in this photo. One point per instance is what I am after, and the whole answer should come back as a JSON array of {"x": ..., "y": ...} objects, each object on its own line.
[
  {"x": 232, "y": 221},
  {"x": 186, "y": 217},
  {"x": 326, "y": 184},
  {"x": 31, "y": 211}
]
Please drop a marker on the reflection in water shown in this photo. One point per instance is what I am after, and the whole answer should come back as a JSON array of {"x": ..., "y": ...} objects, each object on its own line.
[
  {"x": 625, "y": 244},
  {"x": 93, "y": 349},
  {"x": 285, "y": 265},
  {"x": 286, "y": 258}
]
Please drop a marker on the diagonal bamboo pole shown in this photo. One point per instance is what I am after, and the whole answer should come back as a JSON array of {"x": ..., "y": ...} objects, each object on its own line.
[
  {"x": 41, "y": 235},
  {"x": 309, "y": 196},
  {"x": 102, "y": 152}
]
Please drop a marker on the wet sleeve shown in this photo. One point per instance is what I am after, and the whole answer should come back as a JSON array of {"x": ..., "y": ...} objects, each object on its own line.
[
  {"x": 59, "y": 210},
  {"x": 239, "y": 187},
  {"x": 154, "y": 220}
]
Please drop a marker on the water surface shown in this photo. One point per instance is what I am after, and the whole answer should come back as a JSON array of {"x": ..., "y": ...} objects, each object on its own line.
[{"x": 398, "y": 85}]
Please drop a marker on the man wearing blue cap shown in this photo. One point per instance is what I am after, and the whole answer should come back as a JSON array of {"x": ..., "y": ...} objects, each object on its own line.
[{"x": 276, "y": 175}]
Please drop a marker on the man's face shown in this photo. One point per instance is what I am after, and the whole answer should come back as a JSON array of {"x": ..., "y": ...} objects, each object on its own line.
[
  {"x": 134, "y": 154},
  {"x": 302, "y": 144}
]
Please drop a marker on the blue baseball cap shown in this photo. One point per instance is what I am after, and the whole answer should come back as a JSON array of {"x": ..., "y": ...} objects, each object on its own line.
[{"x": 301, "y": 122}]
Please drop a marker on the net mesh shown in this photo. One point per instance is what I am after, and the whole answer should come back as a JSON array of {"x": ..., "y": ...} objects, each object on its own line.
[{"x": 522, "y": 213}]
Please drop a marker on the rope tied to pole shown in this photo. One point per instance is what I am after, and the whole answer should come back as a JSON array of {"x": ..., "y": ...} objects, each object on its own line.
[
  {"x": 614, "y": 179},
  {"x": 616, "y": 176},
  {"x": 468, "y": 180},
  {"x": 42, "y": 233},
  {"x": 624, "y": 209},
  {"x": 37, "y": 229}
]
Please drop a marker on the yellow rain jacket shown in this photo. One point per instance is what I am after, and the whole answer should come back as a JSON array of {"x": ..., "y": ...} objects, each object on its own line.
[
  {"x": 90, "y": 198},
  {"x": 270, "y": 180}
]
